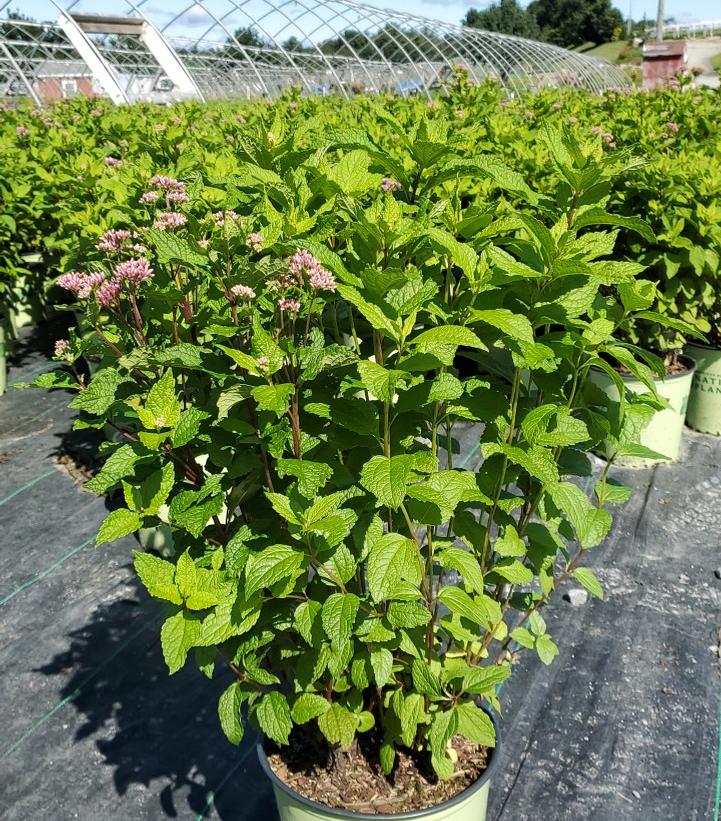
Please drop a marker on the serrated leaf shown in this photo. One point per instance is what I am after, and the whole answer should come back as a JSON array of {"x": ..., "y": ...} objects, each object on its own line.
[
  {"x": 590, "y": 523},
  {"x": 309, "y": 706},
  {"x": 588, "y": 579},
  {"x": 460, "y": 603},
  {"x": 188, "y": 426},
  {"x": 229, "y": 705},
  {"x": 273, "y": 716},
  {"x": 450, "y": 335},
  {"x": 308, "y": 623},
  {"x": 338, "y": 616},
  {"x": 269, "y": 566},
  {"x": 379, "y": 381},
  {"x": 117, "y": 524},
  {"x": 482, "y": 680},
  {"x": 509, "y": 324},
  {"x": 386, "y": 477},
  {"x": 424, "y": 680},
  {"x": 466, "y": 564},
  {"x": 312, "y": 476},
  {"x": 119, "y": 464},
  {"x": 475, "y": 725},
  {"x": 393, "y": 568},
  {"x": 546, "y": 649},
  {"x": 158, "y": 576},
  {"x": 273, "y": 398},
  {"x": 338, "y": 725},
  {"x": 177, "y": 635},
  {"x": 382, "y": 665},
  {"x": 100, "y": 392},
  {"x": 185, "y": 575}
]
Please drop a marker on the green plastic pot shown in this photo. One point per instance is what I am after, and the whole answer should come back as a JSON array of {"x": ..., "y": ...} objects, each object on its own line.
[
  {"x": 158, "y": 539},
  {"x": 664, "y": 431},
  {"x": 470, "y": 805},
  {"x": 704, "y": 403},
  {"x": 26, "y": 308}
]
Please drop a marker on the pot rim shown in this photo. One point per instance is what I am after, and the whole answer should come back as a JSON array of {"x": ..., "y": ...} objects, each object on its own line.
[
  {"x": 703, "y": 346},
  {"x": 336, "y": 812},
  {"x": 688, "y": 361}
]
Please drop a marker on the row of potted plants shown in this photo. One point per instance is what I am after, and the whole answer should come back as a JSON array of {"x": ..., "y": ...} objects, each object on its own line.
[{"x": 288, "y": 376}]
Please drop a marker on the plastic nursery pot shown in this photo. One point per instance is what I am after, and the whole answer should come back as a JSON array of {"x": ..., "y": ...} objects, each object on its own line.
[
  {"x": 469, "y": 805},
  {"x": 704, "y": 403},
  {"x": 25, "y": 306},
  {"x": 158, "y": 540},
  {"x": 663, "y": 433}
]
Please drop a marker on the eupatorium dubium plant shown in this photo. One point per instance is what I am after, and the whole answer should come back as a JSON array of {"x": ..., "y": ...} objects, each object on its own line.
[{"x": 291, "y": 376}]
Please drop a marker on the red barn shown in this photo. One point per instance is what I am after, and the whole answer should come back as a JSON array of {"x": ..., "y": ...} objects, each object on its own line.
[{"x": 662, "y": 60}]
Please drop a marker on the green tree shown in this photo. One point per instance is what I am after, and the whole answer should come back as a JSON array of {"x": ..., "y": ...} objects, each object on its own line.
[
  {"x": 574, "y": 22},
  {"x": 507, "y": 17}
]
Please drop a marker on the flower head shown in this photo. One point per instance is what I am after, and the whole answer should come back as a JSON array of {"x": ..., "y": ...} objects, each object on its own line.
[
  {"x": 149, "y": 196},
  {"x": 109, "y": 293},
  {"x": 221, "y": 216},
  {"x": 596, "y": 129},
  {"x": 73, "y": 281},
  {"x": 290, "y": 305},
  {"x": 169, "y": 220},
  {"x": 254, "y": 242},
  {"x": 112, "y": 161},
  {"x": 135, "y": 271},
  {"x": 262, "y": 362},
  {"x": 167, "y": 183},
  {"x": 21, "y": 131},
  {"x": 113, "y": 240},
  {"x": 389, "y": 184},
  {"x": 243, "y": 291},
  {"x": 573, "y": 120},
  {"x": 673, "y": 127},
  {"x": 176, "y": 196},
  {"x": 62, "y": 349},
  {"x": 557, "y": 106}
]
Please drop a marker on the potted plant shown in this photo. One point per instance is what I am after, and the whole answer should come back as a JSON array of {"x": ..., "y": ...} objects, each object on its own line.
[{"x": 365, "y": 592}]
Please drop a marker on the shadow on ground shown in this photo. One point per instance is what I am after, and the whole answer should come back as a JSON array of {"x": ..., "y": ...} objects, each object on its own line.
[{"x": 153, "y": 730}]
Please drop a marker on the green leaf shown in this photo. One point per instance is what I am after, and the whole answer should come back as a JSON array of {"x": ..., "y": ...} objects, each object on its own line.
[
  {"x": 588, "y": 579},
  {"x": 452, "y": 336},
  {"x": 307, "y": 622},
  {"x": 379, "y": 381},
  {"x": 394, "y": 569},
  {"x": 273, "y": 716},
  {"x": 169, "y": 247},
  {"x": 338, "y": 616},
  {"x": 382, "y": 664},
  {"x": 271, "y": 565},
  {"x": 460, "y": 603},
  {"x": 162, "y": 408},
  {"x": 185, "y": 575},
  {"x": 408, "y": 614},
  {"x": 338, "y": 725},
  {"x": 411, "y": 715},
  {"x": 312, "y": 476},
  {"x": 100, "y": 393},
  {"x": 466, "y": 564},
  {"x": 424, "y": 680},
  {"x": 281, "y": 505},
  {"x": 590, "y": 523},
  {"x": 482, "y": 680},
  {"x": 120, "y": 463},
  {"x": 599, "y": 216},
  {"x": 229, "y": 705},
  {"x": 460, "y": 254},
  {"x": 117, "y": 524},
  {"x": 188, "y": 426},
  {"x": 273, "y": 398},
  {"x": 372, "y": 313},
  {"x": 177, "y": 635},
  {"x": 546, "y": 649},
  {"x": 509, "y": 324},
  {"x": 386, "y": 477},
  {"x": 158, "y": 576},
  {"x": 475, "y": 725},
  {"x": 510, "y": 544},
  {"x": 309, "y": 706}
]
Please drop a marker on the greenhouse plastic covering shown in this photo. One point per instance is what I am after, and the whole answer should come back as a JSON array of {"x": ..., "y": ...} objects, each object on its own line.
[{"x": 258, "y": 48}]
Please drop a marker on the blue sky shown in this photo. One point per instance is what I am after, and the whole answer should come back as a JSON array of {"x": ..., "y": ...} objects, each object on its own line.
[{"x": 451, "y": 11}]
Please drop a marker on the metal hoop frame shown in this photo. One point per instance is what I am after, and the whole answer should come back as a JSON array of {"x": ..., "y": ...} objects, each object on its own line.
[{"x": 325, "y": 46}]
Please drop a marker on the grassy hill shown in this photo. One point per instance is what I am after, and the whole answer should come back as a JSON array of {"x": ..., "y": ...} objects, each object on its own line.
[{"x": 618, "y": 52}]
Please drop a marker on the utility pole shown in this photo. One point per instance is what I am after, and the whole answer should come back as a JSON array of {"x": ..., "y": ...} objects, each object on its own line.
[
  {"x": 629, "y": 22},
  {"x": 659, "y": 20}
]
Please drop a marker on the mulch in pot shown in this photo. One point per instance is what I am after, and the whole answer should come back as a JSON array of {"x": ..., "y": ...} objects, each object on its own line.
[{"x": 354, "y": 781}]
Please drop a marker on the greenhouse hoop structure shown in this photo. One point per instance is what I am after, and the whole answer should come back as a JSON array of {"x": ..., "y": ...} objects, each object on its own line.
[{"x": 214, "y": 49}]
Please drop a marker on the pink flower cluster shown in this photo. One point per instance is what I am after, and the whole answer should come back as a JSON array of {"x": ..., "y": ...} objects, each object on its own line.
[
  {"x": 169, "y": 221},
  {"x": 389, "y": 184},
  {"x": 62, "y": 349},
  {"x": 673, "y": 127},
  {"x": 243, "y": 291},
  {"x": 109, "y": 293},
  {"x": 173, "y": 189},
  {"x": 303, "y": 264},
  {"x": 113, "y": 240},
  {"x": 134, "y": 270},
  {"x": 21, "y": 131},
  {"x": 254, "y": 242},
  {"x": 290, "y": 305},
  {"x": 113, "y": 162},
  {"x": 221, "y": 216},
  {"x": 79, "y": 284}
]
